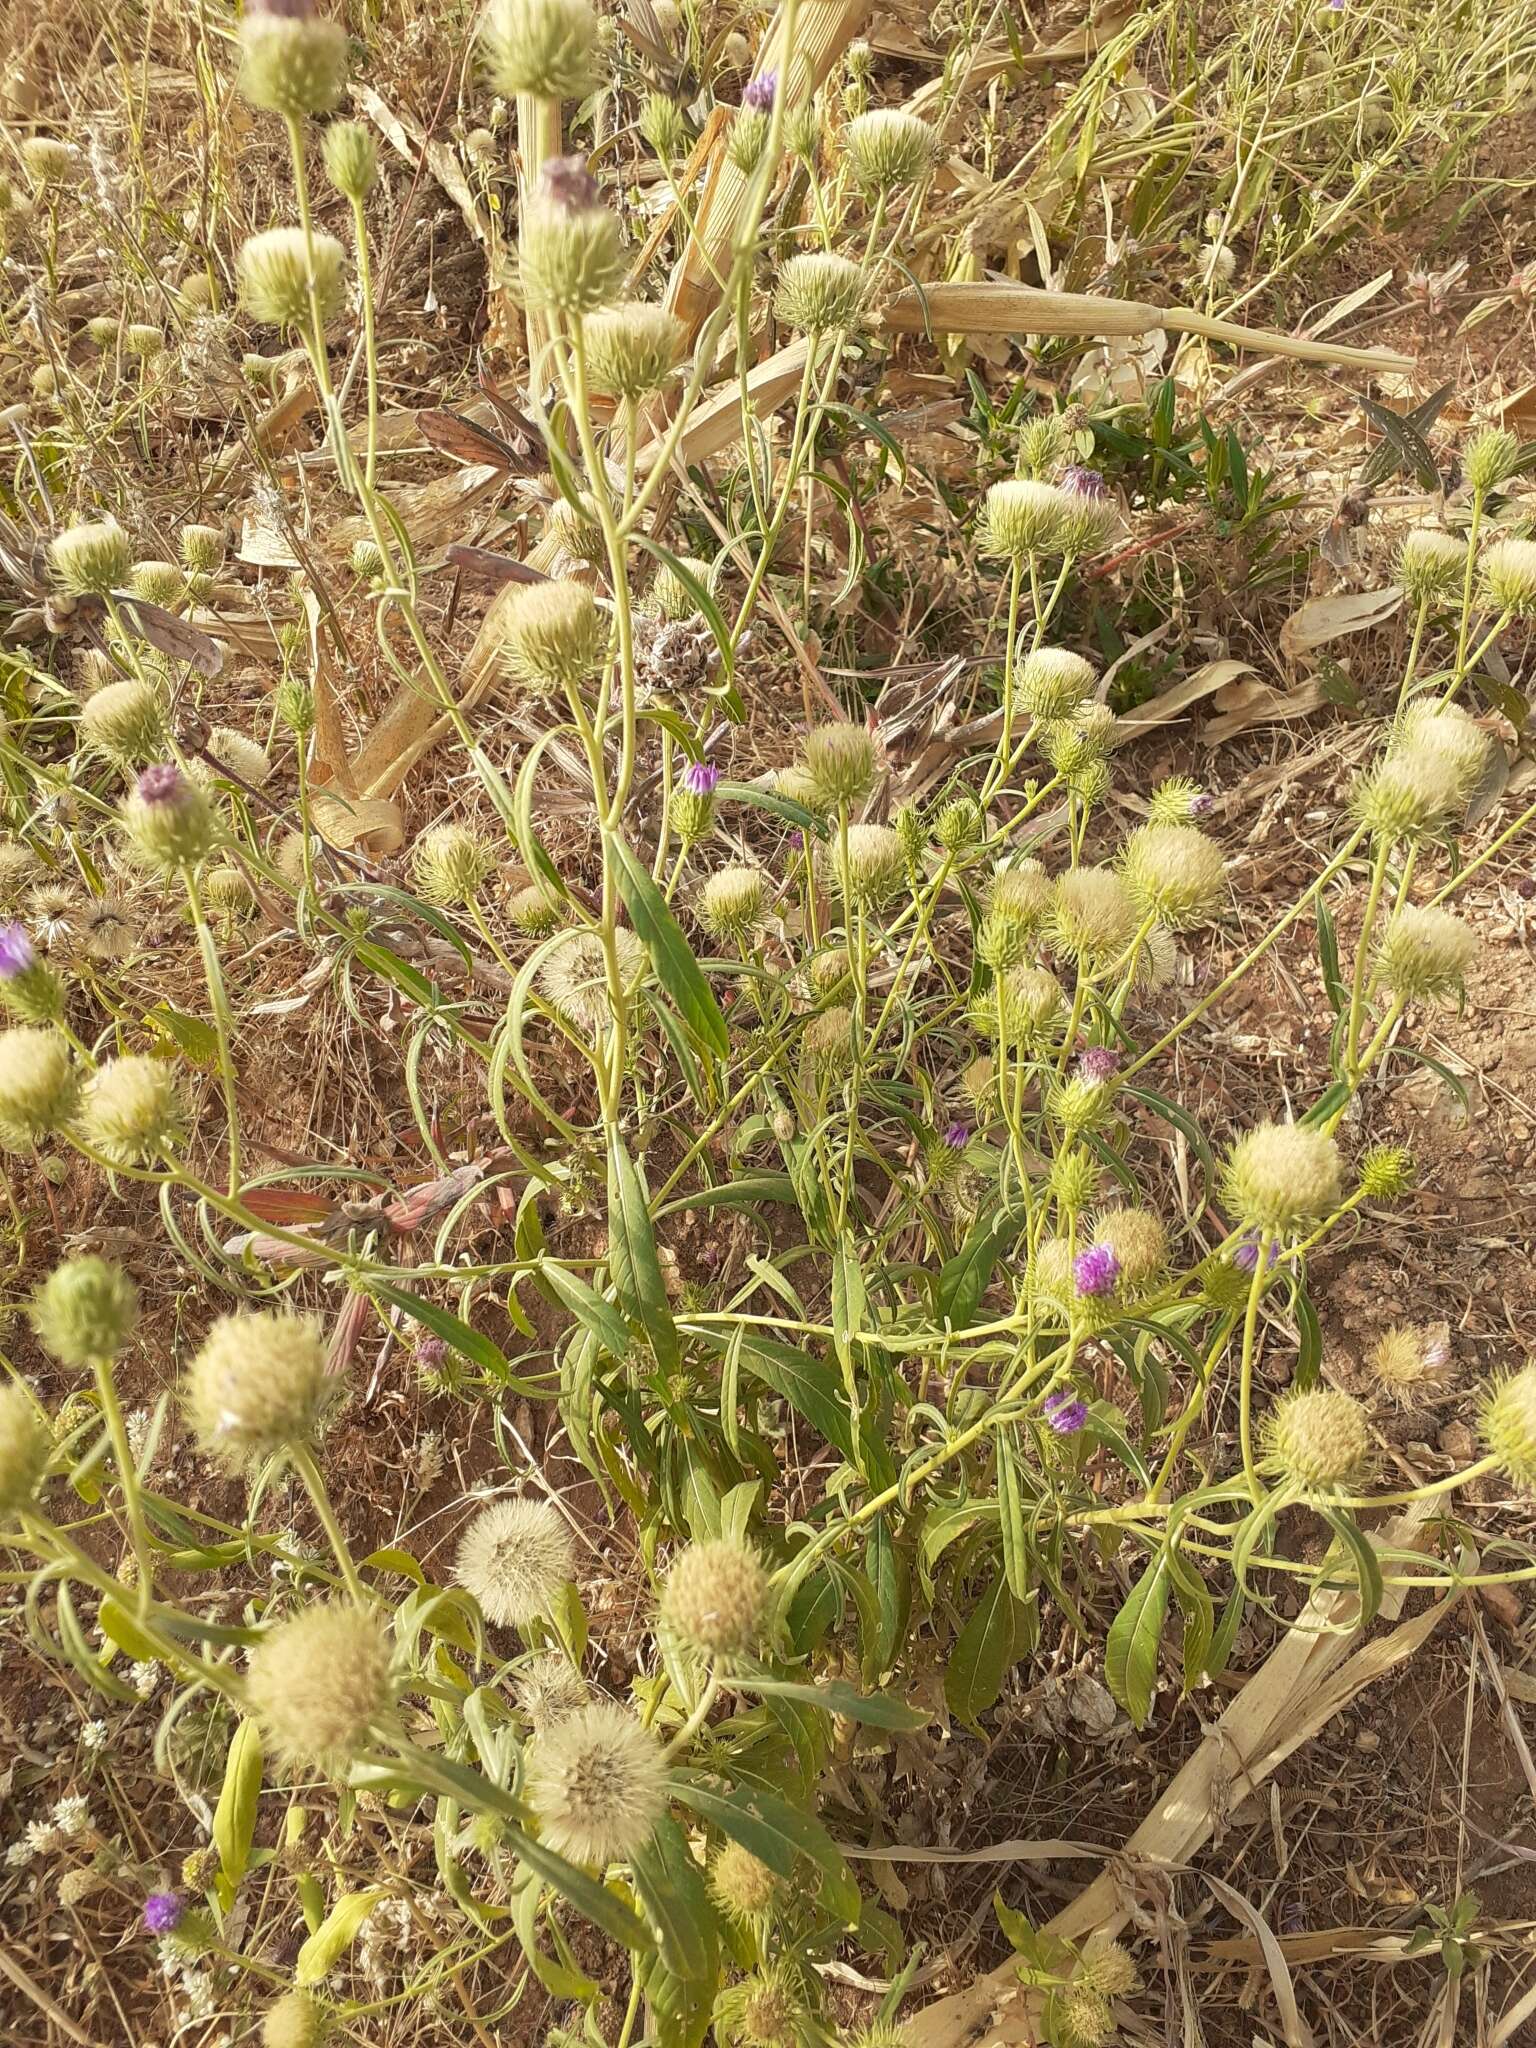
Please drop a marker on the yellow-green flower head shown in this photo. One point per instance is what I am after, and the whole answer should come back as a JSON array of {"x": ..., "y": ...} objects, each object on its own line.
[
  {"x": 1446, "y": 732},
  {"x": 134, "y": 1109},
  {"x": 1410, "y": 793},
  {"x": 1020, "y": 897},
  {"x": 795, "y": 782},
  {"x": 1139, "y": 1242},
  {"x": 840, "y": 764},
  {"x": 321, "y": 1683},
  {"x": 50, "y": 163},
  {"x": 887, "y": 148},
  {"x": 228, "y": 894},
  {"x": 516, "y": 1557},
  {"x": 124, "y": 722},
  {"x": 550, "y": 1689},
  {"x": 877, "y": 866},
  {"x": 293, "y": 62},
  {"x": 1175, "y": 873},
  {"x": 168, "y": 819},
  {"x": 92, "y": 559},
  {"x": 957, "y": 828},
  {"x": 1491, "y": 459},
  {"x": 669, "y": 595},
  {"x": 1083, "y": 2018},
  {"x": 1023, "y": 518},
  {"x": 143, "y": 340},
  {"x": 297, "y": 2020},
  {"x": 1105, "y": 1966},
  {"x": 351, "y": 158},
  {"x": 203, "y": 548},
  {"x": 1042, "y": 443},
  {"x": 25, "y": 1447},
  {"x": 1319, "y": 1438},
  {"x": 1431, "y": 564},
  {"x": 1029, "y": 1002},
  {"x": 715, "y": 1599},
  {"x": 1079, "y": 1103},
  {"x": 569, "y": 257},
  {"x": 1509, "y": 1425},
  {"x": 764, "y": 2010},
  {"x": 1282, "y": 1176},
  {"x": 978, "y": 1080},
  {"x": 802, "y": 132},
  {"x": 1053, "y": 682},
  {"x": 1073, "y": 1180},
  {"x": 532, "y": 911},
  {"x": 747, "y": 138},
  {"x": 830, "y": 969},
  {"x": 545, "y": 49},
  {"x": 159, "y": 583},
  {"x": 1424, "y": 953},
  {"x": 86, "y": 1311},
  {"x": 1092, "y": 517},
  {"x": 256, "y": 1386},
  {"x": 273, "y": 271},
  {"x": 574, "y": 977},
  {"x": 1093, "y": 918},
  {"x": 1049, "y": 1276},
  {"x": 744, "y": 1887},
  {"x": 631, "y": 350},
  {"x": 451, "y": 864},
  {"x": 734, "y": 902},
  {"x": 1386, "y": 1172},
  {"x": 577, "y": 530},
  {"x": 1176, "y": 801},
  {"x": 663, "y": 127},
  {"x": 598, "y": 1784},
  {"x": 1508, "y": 573},
  {"x": 827, "y": 1041},
  {"x": 39, "y": 1084},
  {"x": 553, "y": 635},
  {"x": 819, "y": 293}
]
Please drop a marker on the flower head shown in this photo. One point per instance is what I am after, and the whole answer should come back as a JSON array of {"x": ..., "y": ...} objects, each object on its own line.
[
  {"x": 516, "y": 1557},
  {"x": 544, "y": 49},
  {"x": 86, "y": 1311},
  {"x": 1064, "y": 1412},
  {"x": 297, "y": 2020},
  {"x": 715, "y": 1597},
  {"x": 294, "y": 63},
  {"x": 1096, "y": 1270},
  {"x": 256, "y": 1384},
  {"x": 598, "y": 1783},
  {"x": 25, "y": 1444},
  {"x": 957, "y": 1136},
  {"x": 760, "y": 91},
  {"x": 819, "y": 292},
  {"x": 168, "y": 819},
  {"x": 39, "y": 1084},
  {"x": 162, "y": 1912},
  {"x": 1319, "y": 1439},
  {"x": 276, "y": 270},
  {"x": 1098, "y": 1063},
  {"x": 1280, "y": 1176},
  {"x": 701, "y": 778},
  {"x": 320, "y": 1682}
]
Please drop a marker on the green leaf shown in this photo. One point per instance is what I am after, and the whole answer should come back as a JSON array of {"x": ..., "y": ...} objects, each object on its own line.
[
  {"x": 704, "y": 599},
  {"x": 632, "y": 1257},
  {"x": 849, "y": 1301},
  {"x": 119, "y": 1627},
  {"x": 836, "y": 1696},
  {"x": 776, "y": 1833},
  {"x": 1010, "y": 1497},
  {"x": 234, "y": 1818},
  {"x": 1367, "y": 1564},
  {"x": 590, "y": 1309},
  {"x": 745, "y": 1192},
  {"x": 457, "y": 1335},
  {"x": 783, "y": 807},
  {"x": 1130, "y": 1652},
  {"x": 1328, "y": 952},
  {"x": 671, "y": 956},
  {"x": 963, "y": 1279},
  {"x": 336, "y": 1934},
  {"x": 191, "y": 1037},
  {"x": 557, "y": 1977},
  {"x": 983, "y": 1654},
  {"x": 671, "y": 1889}
]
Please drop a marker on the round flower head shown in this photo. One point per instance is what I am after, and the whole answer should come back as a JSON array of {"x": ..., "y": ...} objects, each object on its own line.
[
  {"x": 293, "y": 62},
  {"x": 39, "y": 1086},
  {"x": 160, "y": 583},
  {"x": 1398, "y": 1361},
  {"x": 744, "y": 1887},
  {"x": 747, "y": 138},
  {"x": 829, "y": 970},
  {"x": 142, "y": 340},
  {"x": 516, "y": 1557},
  {"x": 203, "y": 548},
  {"x": 598, "y": 1783},
  {"x": 124, "y": 722},
  {"x": 133, "y": 1109},
  {"x": 840, "y": 762},
  {"x": 163, "y": 1912},
  {"x": 1083, "y": 2017},
  {"x": 574, "y": 976},
  {"x": 25, "y": 1446},
  {"x": 733, "y": 903},
  {"x": 1386, "y": 1172},
  {"x": 1018, "y": 903},
  {"x": 1446, "y": 732},
  {"x": 1175, "y": 873},
  {"x": 1431, "y": 564},
  {"x": 888, "y": 148},
  {"x": 671, "y": 597},
  {"x": 1424, "y": 953},
  {"x": 795, "y": 782},
  {"x": 549, "y": 1689},
  {"x": 959, "y": 825},
  {"x": 1022, "y": 518},
  {"x": 1092, "y": 515},
  {"x": 1029, "y": 1002},
  {"x": 1509, "y": 1425},
  {"x": 631, "y": 350},
  {"x": 532, "y": 911},
  {"x": 1319, "y": 1438},
  {"x": 764, "y": 2010},
  {"x": 255, "y": 1386},
  {"x": 320, "y": 1683},
  {"x": 1508, "y": 573},
  {"x": 569, "y": 258},
  {"x": 1073, "y": 1181},
  {"x": 663, "y": 127},
  {"x": 49, "y": 162},
  {"x": 1281, "y": 1176},
  {"x": 351, "y": 158},
  {"x": 168, "y": 819},
  {"x": 877, "y": 866},
  {"x": 818, "y": 293},
  {"x": 274, "y": 276},
  {"x": 19, "y": 869},
  {"x": 1078, "y": 1104},
  {"x": 28, "y": 989},
  {"x": 1053, "y": 682},
  {"x": 1410, "y": 792},
  {"x": 240, "y": 756},
  {"x": 1139, "y": 1242},
  {"x": 86, "y": 1311},
  {"x": 92, "y": 559},
  {"x": 827, "y": 1042},
  {"x": 1492, "y": 459},
  {"x": 716, "y": 1597},
  {"x": 297, "y": 2020},
  {"x": 1096, "y": 1271},
  {"x": 1176, "y": 801},
  {"x": 1094, "y": 919},
  {"x": 542, "y": 48},
  {"x": 451, "y": 864},
  {"x": 553, "y": 635},
  {"x": 1105, "y": 1966},
  {"x": 576, "y": 530}
]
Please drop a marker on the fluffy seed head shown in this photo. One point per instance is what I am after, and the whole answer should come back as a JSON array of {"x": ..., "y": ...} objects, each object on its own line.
[
  {"x": 273, "y": 273},
  {"x": 542, "y": 48},
  {"x": 49, "y": 162},
  {"x": 39, "y": 1087},
  {"x": 1281, "y": 1176},
  {"x": 827, "y": 1041},
  {"x": 1030, "y": 1001},
  {"x": 743, "y": 1885},
  {"x": 134, "y": 1109},
  {"x": 818, "y": 293},
  {"x": 1492, "y": 459},
  {"x": 1053, "y": 682},
  {"x": 1397, "y": 1360},
  {"x": 1022, "y": 518},
  {"x": 292, "y": 64},
  {"x": 887, "y": 148},
  {"x": 124, "y": 722},
  {"x": 351, "y": 158},
  {"x": 552, "y": 635},
  {"x": 1508, "y": 573},
  {"x": 241, "y": 756},
  {"x": 549, "y": 1689},
  {"x": 569, "y": 257},
  {"x": 255, "y": 1386},
  {"x": 168, "y": 819},
  {"x": 598, "y": 1784},
  {"x": 840, "y": 761},
  {"x": 1431, "y": 564},
  {"x": 1139, "y": 1242},
  {"x": 1425, "y": 952},
  {"x": 733, "y": 902},
  {"x": 1319, "y": 1438},
  {"x": 1446, "y": 732},
  {"x": 1509, "y": 1425},
  {"x": 451, "y": 864},
  {"x": 86, "y": 1311},
  {"x": 1175, "y": 873},
  {"x": 25, "y": 1445},
  {"x": 715, "y": 1598},
  {"x": 515, "y": 1557},
  {"x": 320, "y": 1682},
  {"x": 574, "y": 977},
  {"x": 296, "y": 2021},
  {"x": 1093, "y": 918},
  {"x": 91, "y": 559},
  {"x": 632, "y": 350},
  {"x": 1410, "y": 792}
]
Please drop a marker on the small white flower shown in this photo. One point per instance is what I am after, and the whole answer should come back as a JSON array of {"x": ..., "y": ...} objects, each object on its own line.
[
  {"x": 43, "y": 1836},
  {"x": 144, "y": 1677},
  {"x": 95, "y": 1735},
  {"x": 72, "y": 1816},
  {"x": 19, "y": 1854}
]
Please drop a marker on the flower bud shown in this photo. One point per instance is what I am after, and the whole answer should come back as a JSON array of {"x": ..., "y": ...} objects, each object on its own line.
[
  {"x": 255, "y": 1387},
  {"x": 553, "y": 635},
  {"x": 733, "y": 903},
  {"x": 25, "y": 1447},
  {"x": 1508, "y": 573},
  {"x": 534, "y": 912},
  {"x": 748, "y": 136},
  {"x": 1424, "y": 953},
  {"x": 1386, "y": 1172},
  {"x": 203, "y": 548},
  {"x": 764, "y": 2010},
  {"x": 273, "y": 270},
  {"x": 598, "y": 1784},
  {"x": 86, "y": 1311},
  {"x": 1281, "y": 1176},
  {"x": 744, "y": 1887},
  {"x": 877, "y": 867},
  {"x": 1072, "y": 1183},
  {"x": 1509, "y": 1425},
  {"x": 293, "y": 63},
  {"x": 320, "y": 1683},
  {"x": 1093, "y": 919},
  {"x": 351, "y": 159},
  {"x": 631, "y": 350},
  {"x": 544, "y": 49},
  {"x": 516, "y": 1557},
  {"x": 134, "y": 1110},
  {"x": 1319, "y": 1438},
  {"x": 1491, "y": 460},
  {"x": 715, "y": 1598},
  {"x": 1022, "y": 518},
  {"x": 297, "y": 2020},
  {"x": 827, "y": 1042},
  {"x": 90, "y": 560},
  {"x": 1431, "y": 564},
  {"x": 569, "y": 256},
  {"x": 1028, "y": 1002},
  {"x": 50, "y": 163},
  {"x": 663, "y": 127},
  {"x": 1409, "y": 793},
  {"x": 168, "y": 819},
  {"x": 1053, "y": 683},
  {"x": 1175, "y": 873},
  {"x": 956, "y": 829},
  {"x": 888, "y": 148},
  {"x": 451, "y": 865},
  {"x": 124, "y": 722},
  {"x": 39, "y": 1086},
  {"x": 29, "y": 989},
  {"x": 670, "y": 597},
  {"x": 802, "y": 132},
  {"x": 840, "y": 762},
  {"x": 819, "y": 293}
]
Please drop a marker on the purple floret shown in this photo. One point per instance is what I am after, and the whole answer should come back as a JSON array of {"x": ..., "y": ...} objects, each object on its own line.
[
  {"x": 160, "y": 783},
  {"x": 957, "y": 1136},
  {"x": 16, "y": 952},
  {"x": 1083, "y": 483},
  {"x": 700, "y": 778},
  {"x": 1064, "y": 1412},
  {"x": 1099, "y": 1063},
  {"x": 759, "y": 93},
  {"x": 162, "y": 1912},
  {"x": 1199, "y": 805},
  {"x": 1096, "y": 1270}
]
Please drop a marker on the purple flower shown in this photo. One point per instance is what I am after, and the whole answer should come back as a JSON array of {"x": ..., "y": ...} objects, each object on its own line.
[
  {"x": 1064, "y": 1412},
  {"x": 797, "y": 840},
  {"x": 1083, "y": 483},
  {"x": 1246, "y": 1256},
  {"x": 1099, "y": 1063},
  {"x": 759, "y": 93},
  {"x": 160, "y": 783},
  {"x": 162, "y": 1912},
  {"x": 567, "y": 182},
  {"x": 16, "y": 952},
  {"x": 1096, "y": 1270},
  {"x": 957, "y": 1136},
  {"x": 1199, "y": 805},
  {"x": 700, "y": 778},
  {"x": 430, "y": 1352}
]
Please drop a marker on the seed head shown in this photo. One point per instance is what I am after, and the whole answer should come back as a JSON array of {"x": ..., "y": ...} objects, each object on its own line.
[
  {"x": 86, "y": 1311},
  {"x": 1175, "y": 873},
  {"x": 887, "y": 148},
  {"x": 553, "y": 635},
  {"x": 549, "y": 1689},
  {"x": 320, "y": 1683},
  {"x": 451, "y": 864},
  {"x": 1431, "y": 564},
  {"x": 1408, "y": 794},
  {"x": 298, "y": 2020},
  {"x": 1139, "y": 1242},
  {"x": 1053, "y": 682},
  {"x": 293, "y": 62},
  {"x": 827, "y": 1042},
  {"x": 1446, "y": 732},
  {"x": 1023, "y": 518},
  {"x": 92, "y": 559},
  {"x": 574, "y": 977},
  {"x": 764, "y": 2010},
  {"x": 25, "y": 1447},
  {"x": 1491, "y": 460},
  {"x": 39, "y": 1086},
  {"x": 1106, "y": 1967},
  {"x": 819, "y": 293},
  {"x": 1424, "y": 953},
  {"x": 255, "y": 1387},
  {"x": 1508, "y": 573},
  {"x": 569, "y": 257},
  {"x": 235, "y": 751},
  {"x": 19, "y": 869},
  {"x": 841, "y": 762},
  {"x": 598, "y": 1783},
  {"x": 670, "y": 596},
  {"x": 124, "y": 722},
  {"x": 1093, "y": 919},
  {"x": 744, "y": 1887},
  {"x": 203, "y": 548},
  {"x": 631, "y": 350},
  {"x": 351, "y": 159},
  {"x": 532, "y": 911},
  {"x": 273, "y": 270},
  {"x": 1509, "y": 1425},
  {"x": 877, "y": 866},
  {"x": 516, "y": 1556},
  {"x": 1281, "y": 1176},
  {"x": 50, "y": 163},
  {"x": 1018, "y": 903},
  {"x": 1319, "y": 1438},
  {"x": 716, "y": 1597},
  {"x": 545, "y": 49},
  {"x": 1030, "y": 1001},
  {"x": 733, "y": 903},
  {"x": 168, "y": 820}
]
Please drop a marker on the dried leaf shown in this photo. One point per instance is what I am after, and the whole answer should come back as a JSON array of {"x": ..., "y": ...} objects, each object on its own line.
[{"x": 1322, "y": 619}]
